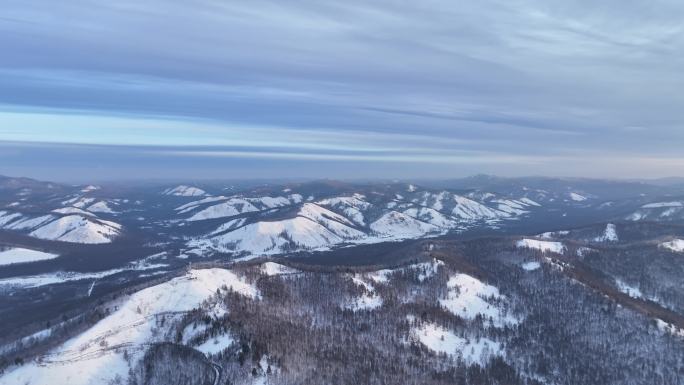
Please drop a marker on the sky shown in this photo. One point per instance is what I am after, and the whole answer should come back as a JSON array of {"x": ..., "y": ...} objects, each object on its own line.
[{"x": 99, "y": 90}]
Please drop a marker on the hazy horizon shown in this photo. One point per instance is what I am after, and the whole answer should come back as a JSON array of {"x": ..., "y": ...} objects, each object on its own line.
[
  {"x": 366, "y": 90},
  {"x": 217, "y": 178}
]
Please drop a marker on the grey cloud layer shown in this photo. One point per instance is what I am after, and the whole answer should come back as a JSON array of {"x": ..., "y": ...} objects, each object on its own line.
[{"x": 513, "y": 78}]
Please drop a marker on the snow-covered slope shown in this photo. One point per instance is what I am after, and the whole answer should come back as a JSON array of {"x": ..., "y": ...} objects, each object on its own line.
[
  {"x": 6, "y": 217},
  {"x": 232, "y": 207},
  {"x": 531, "y": 266},
  {"x": 237, "y": 205},
  {"x": 431, "y": 216},
  {"x": 313, "y": 227},
  {"x": 441, "y": 340},
  {"x": 476, "y": 206},
  {"x": 266, "y": 224},
  {"x": 265, "y": 238},
  {"x": 21, "y": 255},
  {"x": 90, "y": 188},
  {"x": 659, "y": 211},
  {"x": 271, "y": 269},
  {"x": 469, "y": 297},
  {"x": 79, "y": 201},
  {"x": 184, "y": 191},
  {"x": 22, "y": 222},
  {"x": 194, "y": 204},
  {"x": 72, "y": 210},
  {"x": 78, "y": 229},
  {"x": 100, "y": 207},
  {"x": 68, "y": 228},
  {"x": 352, "y": 207},
  {"x": 469, "y": 209},
  {"x": 659, "y": 205},
  {"x": 577, "y": 197},
  {"x": 97, "y": 356},
  {"x": 335, "y": 223},
  {"x": 396, "y": 225},
  {"x": 676, "y": 245}
]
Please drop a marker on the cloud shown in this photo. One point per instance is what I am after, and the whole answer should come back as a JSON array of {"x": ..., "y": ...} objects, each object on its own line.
[{"x": 433, "y": 79}]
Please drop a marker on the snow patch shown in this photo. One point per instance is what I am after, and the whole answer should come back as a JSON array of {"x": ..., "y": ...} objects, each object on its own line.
[
  {"x": 366, "y": 302},
  {"x": 101, "y": 207},
  {"x": 657, "y": 205},
  {"x": 583, "y": 251},
  {"x": 217, "y": 344},
  {"x": 553, "y": 234},
  {"x": 631, "y": 291},
  {"x": 529, "y": 202},
  {"x": 90, "y": 188},
  {"x": 271, "y": 268},
  {"x": 72, "y": 210},
  {"x": 577, "y": 197},
  {"x": 545, "y": 246},
  {"x": 531, "y": 266},
  {"x": 676, "y": 245},
  {"x": 609, "y": 234},
  {"x": 471, "y": 350},
  {"x": 666, "y": 327},
  {"x": 468, "y": 297}
]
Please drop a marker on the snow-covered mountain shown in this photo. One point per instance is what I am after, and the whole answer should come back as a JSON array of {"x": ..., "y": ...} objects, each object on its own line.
[
  {"x": 168, "y": 286},
  {"x": 72, "y": 227},
  {"x": 184, "y": 191},
  {"x": 101, "y": 353},
  {"x": 265, "y": 219},
  {"x": 231, "y": 206},
  {"x": 273, "y": 225},
  {"x": 313, "y": 227}
]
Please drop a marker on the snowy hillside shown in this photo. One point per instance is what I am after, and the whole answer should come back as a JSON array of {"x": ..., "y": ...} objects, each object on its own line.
[
  {"x": 231, "y": 206},
  {"x": 441, "y": 340},
  {"x": 676, "y": 245},
  {"x": 609, "y": 234},
  {"x": 184, "y": 191},
  {"x": 313, "y": 227},
  {"x": 554, "y": 247},
  {"x": 100, "y": 207},
  {"x": 97, "y": 355},
  {"x": 469, "y": 297},
  {"x": 659, "y": 211},
  {"x": 78, "y": 229},
  {"x": 73, "y": 228}
]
